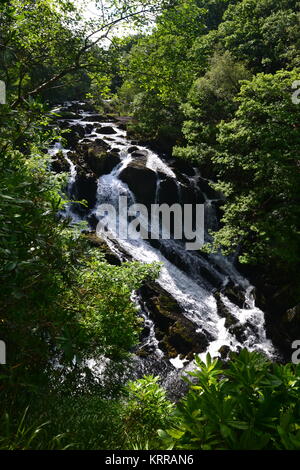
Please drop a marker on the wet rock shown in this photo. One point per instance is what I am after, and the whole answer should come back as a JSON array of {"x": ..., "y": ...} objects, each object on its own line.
[
  {"x": 132, "y": 149},
  {"x": 102, "y": 143},
  {"x": 139, "y": 153},
  {"x": 72, "y": 137},
  {"x": 239, "y": 331},
  {"x": 181, "y": 191},
  {"x": 183, "y": 166},
  {"x": 141, "y": 181},
  {"x": 224, "y": 351},
  {"x": 235, "y": 294},
  {"x": 106, "y": 130},
  {"x": 169, "y": 378},
  {"x": 93, "y": 221},
  {"x": 204, "y": 186},
  {"x": 85, "y": 188},
  {"x": 87, "y": 107},
  {"x": 101, "y": 163},
  {"x": 224, "y": 312},
  {"x": 65, "y": 113},
  {"x": 79, "y": 129},
  {"x": 177, "y": 334},
  {"x": 98, "y": 242},
  {"x": 146, "y": 350},
  {"x": 64, "y": 124},
  {"x": 77, "y": 107},
  {"x": 115, "y": 150},
  {"x": 168, "y": 191},
  {"x": 88, "y": 128},
  {"x": 94, "y": 157},
  {"x": 94, "y": 118},
  {"x": 190, "y": 196},
  {"x": 145, "y": 332},
  {"x": 59, "y": 164}
]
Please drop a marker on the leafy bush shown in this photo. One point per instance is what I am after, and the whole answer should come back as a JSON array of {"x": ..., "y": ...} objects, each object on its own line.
[
  {"x": 146, "y": 409},
  {"x": 249, "y": 404}
]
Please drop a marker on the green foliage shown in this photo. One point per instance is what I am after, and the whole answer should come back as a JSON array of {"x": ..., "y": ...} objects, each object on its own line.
[
  {"x": 251, "y": 404},
  {"x": 37, "y": 43},
  {"x": 146, "y": 410},
  {"x": 210, "y": 100},
  {"x": 256, "y": 163},
  {"x": 87, "y": 421},
  {"x": 262, "y": 33},
  {"x": 47, "y": 46},
  {"x": 160, "y": 71},
  {"x": 22, "y": 436}
]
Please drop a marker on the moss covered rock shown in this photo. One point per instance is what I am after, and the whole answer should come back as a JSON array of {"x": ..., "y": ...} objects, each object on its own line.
[{"x": 177, "y": 335}]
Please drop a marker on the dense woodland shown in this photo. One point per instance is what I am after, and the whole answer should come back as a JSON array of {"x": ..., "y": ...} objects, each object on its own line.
[{"x": 209, "y": 82}]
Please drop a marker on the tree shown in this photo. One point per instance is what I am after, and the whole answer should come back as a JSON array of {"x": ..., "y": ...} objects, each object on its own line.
[
  {"x": 42, "y": 42},
  {"x": 160, "y": 70},
  {"x": 257, "y": 165},
  {"x": 210, "y": 100},
  {"x": 262, "y": 33}
]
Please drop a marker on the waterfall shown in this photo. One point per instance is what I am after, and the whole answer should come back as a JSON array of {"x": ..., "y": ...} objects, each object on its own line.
[{"x": 189, "y": 277}]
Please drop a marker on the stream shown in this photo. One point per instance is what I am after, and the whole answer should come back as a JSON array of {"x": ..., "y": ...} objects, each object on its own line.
[{"x": 189, "y": 277}]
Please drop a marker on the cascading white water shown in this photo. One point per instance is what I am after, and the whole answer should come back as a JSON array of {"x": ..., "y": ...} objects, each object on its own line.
[
  {"x": 58, "y": 148},
  {"x": 193, "y": 291}
]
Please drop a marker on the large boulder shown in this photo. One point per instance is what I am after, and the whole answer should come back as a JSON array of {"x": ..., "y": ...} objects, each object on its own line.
[
  {"x": 94, "y": 118},
  {"x": 176, "y": 334},
  {"x": 173, "y": 191},
  {"x": 65, "y": 113},
  {"x": 182, "y": 166},
  {"x": 141, "y": 181},
  {"x": 139, "y": 153},
  {"x": 77, "y": 107},
  {"x": 79, "y": 129},
  {"x": 101, "y": 163},
  {"x": 205, "y": 187},
  {"x": 168, "y": 192},
  {"x": 235, "y": 294},
  {"x": 102, "y": 143},
  {"x": 106, "y": 130},
  {"x": 85, "y": 188},
  {"x": 76, "y": 132},
  {"x": 132, "y": 149},
  {"x": 88, "y": 128},
  {"x": 59, "y": 164},
  {"x": 95, "y": 158}
]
